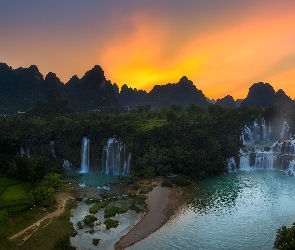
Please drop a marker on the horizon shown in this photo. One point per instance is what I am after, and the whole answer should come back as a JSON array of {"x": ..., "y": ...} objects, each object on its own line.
[{"x": 222, "y": 47}]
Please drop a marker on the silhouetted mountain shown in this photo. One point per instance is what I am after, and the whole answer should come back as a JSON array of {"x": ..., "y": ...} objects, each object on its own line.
[
  {"x": 92, "y": 91},
  {"x": 19, "y": 88},
  {"x": 183, "y": 93},
  {"x": 260, "y": 94},
  {"x": 283, "y": 101},
  {"x": 226, "y": 102}
]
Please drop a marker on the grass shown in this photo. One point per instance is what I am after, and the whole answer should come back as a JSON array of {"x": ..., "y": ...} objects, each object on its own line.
[
  {"x": 55, "y": 235},
  {"x": 8, "y": 182},
  {"x": 12, "y": 193}
]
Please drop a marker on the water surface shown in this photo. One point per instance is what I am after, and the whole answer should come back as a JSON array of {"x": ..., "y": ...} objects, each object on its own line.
[{"x": 240, "y": 210}]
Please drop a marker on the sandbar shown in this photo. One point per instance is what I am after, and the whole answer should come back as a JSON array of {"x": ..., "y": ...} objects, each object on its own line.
[{"x": 161, "y": 204}]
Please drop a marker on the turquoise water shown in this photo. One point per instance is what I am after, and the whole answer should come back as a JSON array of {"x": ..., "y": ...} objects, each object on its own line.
[{"x": 239, "y": 210}]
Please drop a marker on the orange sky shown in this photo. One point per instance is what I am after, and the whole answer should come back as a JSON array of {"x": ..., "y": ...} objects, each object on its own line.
[{"x": 222, "y": 46}]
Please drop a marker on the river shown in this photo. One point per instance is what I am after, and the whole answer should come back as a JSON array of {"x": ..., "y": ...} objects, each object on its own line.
[{"x": 238, "y": 210}]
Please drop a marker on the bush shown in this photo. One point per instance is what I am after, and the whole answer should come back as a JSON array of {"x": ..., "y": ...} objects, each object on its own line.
[
  {"x": 135, "y": 208},
  {"x": 79, "y": 224},
  {"x": 43, "y": 196},
  {"x": 111, "y": 223},
  {"x": 94, "y": 209},
  {"x": 63, "y": 244},
  {"x": 112, "y": 211},
  {"x": 285, "y": 239},
  {"x": 95, "y": 241},
  {"x": 89, "y": 220}
]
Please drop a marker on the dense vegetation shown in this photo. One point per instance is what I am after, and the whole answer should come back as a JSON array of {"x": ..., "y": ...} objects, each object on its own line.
[
  {"x": 285, "y": 239},
  {"x": 195, "y": 141}
]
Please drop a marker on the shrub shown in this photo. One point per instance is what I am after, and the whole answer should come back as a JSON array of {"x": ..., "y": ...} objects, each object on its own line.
[
  {"x": 63, "y": 243},
  {"x": 285, "y": 238},
  {"x": 89, "y": 220},
  {"x": 112, "y": 211},
  {"x": 135, "y": 208},
  {"x": 111, "y": 223},
  {"x": 95, "y": 241},
  {"x": 94, "y": 209}
]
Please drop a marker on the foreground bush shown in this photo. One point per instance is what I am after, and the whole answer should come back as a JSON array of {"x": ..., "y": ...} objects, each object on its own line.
[
  {"x": 285, "y": 239},
  {"x": 112, "y": 211},
  {"x": 111, "y": 223},
  {"x": 89, "y": 220}
]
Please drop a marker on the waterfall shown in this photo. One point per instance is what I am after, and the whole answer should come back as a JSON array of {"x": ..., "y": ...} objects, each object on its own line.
[
  {"x": 284, "y": 131},
  {"x": 52, "y": 149},
  {"x": 291, "y": 168},
  {"x": 67, "y": 165},
  {"x": 231, "y": 164},
  {"x": 286, "y": 147},
  {"x": 115, "y": 158},
  {"x": 85, "y": 155},
  {"x": 22, "y": 151},
  {"x": 257, "y": 133}
]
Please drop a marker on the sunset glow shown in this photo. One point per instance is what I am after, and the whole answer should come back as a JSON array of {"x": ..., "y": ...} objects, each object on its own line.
[{"x": 223, "y": 48}]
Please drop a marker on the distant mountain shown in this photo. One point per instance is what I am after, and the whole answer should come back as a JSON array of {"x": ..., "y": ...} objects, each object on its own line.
[
  {"x": 226, "y": 102},
  {"x": 283, "y": 101},
  {"x": 263, "y": 94},
  {"x": 92, "y": 91},
  {"x": 183, "y": 93},
  {"x": 20, "y": 89},
  {"x": 260, "y": 94}
]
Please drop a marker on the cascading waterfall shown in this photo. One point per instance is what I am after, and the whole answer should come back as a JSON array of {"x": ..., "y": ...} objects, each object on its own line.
[
  {"x": 281, "y": 155},
  {"x": 22, "y": 151},
  {"x": 116, "y": 159},
  {"x": 259, "y": 132},
  {"x": 284, "y": 132},
  {"x": 231, "y": 164},
  {"x": 85, "y": 155},
  {"x": 67, "y": 165},
  {"x": 285, "y": 147},
  {"x": 52, "y": 149},
  {"x": 291, "y": 168}
]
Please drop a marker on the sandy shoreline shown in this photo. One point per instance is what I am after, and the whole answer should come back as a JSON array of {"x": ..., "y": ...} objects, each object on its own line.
[{"x": 162, "y": 203}]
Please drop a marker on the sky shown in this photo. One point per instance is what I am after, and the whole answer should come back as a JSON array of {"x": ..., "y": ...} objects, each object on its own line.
[{"x": 223, "y": 46}]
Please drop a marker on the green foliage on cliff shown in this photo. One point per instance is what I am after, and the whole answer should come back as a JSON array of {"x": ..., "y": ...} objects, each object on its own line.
[{"x": 285, "y": 239}]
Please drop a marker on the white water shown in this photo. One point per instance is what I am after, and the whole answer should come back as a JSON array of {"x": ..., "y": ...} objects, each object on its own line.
[
  {"x": 85, "y": 155},
  {"x": 116, "y": 160}
]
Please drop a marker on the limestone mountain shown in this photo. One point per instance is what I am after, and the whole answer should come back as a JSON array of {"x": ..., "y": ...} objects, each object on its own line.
[
  {"x": 183, "y": 93},
  {"x": 226, "y": 102},
  {"x": 260, "y": 94},
  {"x": 263, "y": 94},
  {"x": 19, "y": 88},
  {"x": 92, "y": 91},
  {"x": 283, "y": 101}
]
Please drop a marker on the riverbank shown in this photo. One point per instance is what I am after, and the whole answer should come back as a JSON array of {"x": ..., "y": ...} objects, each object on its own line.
[{"x": 162, "y": 203}]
